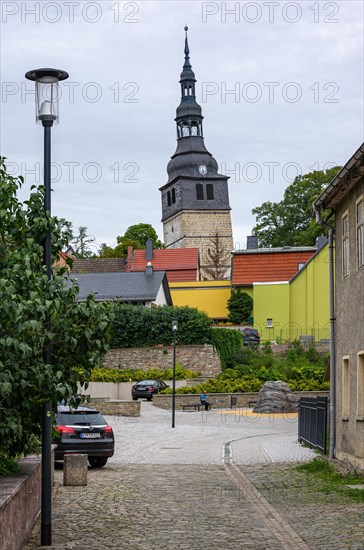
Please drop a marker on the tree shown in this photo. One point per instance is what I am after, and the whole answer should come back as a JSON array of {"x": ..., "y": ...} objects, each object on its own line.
[
  {"x": 289, "y": 222},
  {"x": 218, "y": 259},
  {"x": 135, "y": 236},
  {"x": 240, "y": 306},
  {"x": 79, "y": 332},
  {"x": 81, "y": 244},
  {"x": 140, "y": 233}
]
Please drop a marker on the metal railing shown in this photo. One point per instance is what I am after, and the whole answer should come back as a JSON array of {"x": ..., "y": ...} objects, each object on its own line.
[{"x": 312, "y": 422}]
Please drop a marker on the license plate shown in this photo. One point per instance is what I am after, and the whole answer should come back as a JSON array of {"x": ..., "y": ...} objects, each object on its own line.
[{"x": 90, "y": 435}]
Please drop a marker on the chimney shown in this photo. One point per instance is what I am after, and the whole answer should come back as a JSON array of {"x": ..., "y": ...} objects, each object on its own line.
[
  {"x": 252, "y": 242},
  {"x": 320, "y": 241},
  {"x": 149, "y": 250},
  {"x": 130, "y": 258},
  {"x": 149, "y": 269}
]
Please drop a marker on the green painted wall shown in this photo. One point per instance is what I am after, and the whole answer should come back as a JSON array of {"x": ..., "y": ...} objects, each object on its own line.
[
  {"x": 299, "y": 308},
  {"x": 271, "y": 301},
  {"x": 309, "y": 299}
]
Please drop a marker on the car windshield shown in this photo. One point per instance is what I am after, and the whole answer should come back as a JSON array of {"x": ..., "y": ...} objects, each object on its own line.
[
  {"x": 147, "y": 383},
  {"x": 250, "y": 331},
  {"x": 85, "y": 418}
]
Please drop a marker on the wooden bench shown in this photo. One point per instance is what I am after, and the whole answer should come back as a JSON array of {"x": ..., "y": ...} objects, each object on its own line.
[{"x": 195, "y": 406}]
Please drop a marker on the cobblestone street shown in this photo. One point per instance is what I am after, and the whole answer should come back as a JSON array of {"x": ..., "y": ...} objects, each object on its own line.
[{"x": 217, "y": 480}]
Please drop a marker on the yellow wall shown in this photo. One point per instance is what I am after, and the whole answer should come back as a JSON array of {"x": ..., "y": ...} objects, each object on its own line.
[
  {"x": 208, "y": 296},
  {"x": 310, "y": 300},
  {"x": 271, "y": 301}
]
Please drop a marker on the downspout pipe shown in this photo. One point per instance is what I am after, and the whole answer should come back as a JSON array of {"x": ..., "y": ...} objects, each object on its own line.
[{"x": 332, "y": 328}]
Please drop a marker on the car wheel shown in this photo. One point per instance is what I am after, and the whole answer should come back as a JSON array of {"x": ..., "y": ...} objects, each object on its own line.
[
  {"x": 97, "y": 461},
  {"x": 135, "y": 399}
]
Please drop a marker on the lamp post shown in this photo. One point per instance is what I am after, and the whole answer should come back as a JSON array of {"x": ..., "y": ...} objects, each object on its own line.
[
  {"x": 174, "y": 330},
  {"x": 46, "y": 106}
]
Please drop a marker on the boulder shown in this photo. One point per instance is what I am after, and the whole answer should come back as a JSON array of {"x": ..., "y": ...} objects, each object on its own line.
[{"x": 275, "y": 396}]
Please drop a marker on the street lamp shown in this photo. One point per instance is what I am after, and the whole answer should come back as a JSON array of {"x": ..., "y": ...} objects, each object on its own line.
[
  {"x": 174, "y": 330},
  {"x": 46, "y": 107}
]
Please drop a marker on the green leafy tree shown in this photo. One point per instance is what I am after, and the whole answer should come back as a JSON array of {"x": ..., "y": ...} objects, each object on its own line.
[
  {"x": 240, "y": 306},
  {"x": 135, "y": 236},
  {"x": 140, "y": 233},
  {"x": 78, "y": 334},
  {"x": 289, "y": 222}
]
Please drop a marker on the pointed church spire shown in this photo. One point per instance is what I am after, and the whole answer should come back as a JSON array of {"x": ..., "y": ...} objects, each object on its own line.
[
  {"x": 187, "y": 74},
  {"x": 191, "y": 152}
]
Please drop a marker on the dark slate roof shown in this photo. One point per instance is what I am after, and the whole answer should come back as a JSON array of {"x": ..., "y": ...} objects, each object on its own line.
[
  {"x": 343, "y": 182},
  {"x": 128, "y": 287},
  {"x": 98, "y": 265}
]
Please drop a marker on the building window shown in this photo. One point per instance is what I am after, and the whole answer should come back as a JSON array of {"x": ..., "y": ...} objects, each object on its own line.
[
  {"x": 269, "y": 323},
  {"x": 360, "y": 388},
  {"x": 210, "y": 191},
  {"x": 345, "y": 244},
  {"x": 345, "y": 387},
  {"x": 300, "y": 266},
  {"x": 169, "y": 202},
  {"x": 199, "y": 191},
  {"x": 360, "y": 231},
  {"x": 173, "y": 195}
]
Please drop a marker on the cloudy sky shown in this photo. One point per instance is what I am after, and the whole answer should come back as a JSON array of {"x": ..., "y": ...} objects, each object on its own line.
[{"x": 280, "y": 85}]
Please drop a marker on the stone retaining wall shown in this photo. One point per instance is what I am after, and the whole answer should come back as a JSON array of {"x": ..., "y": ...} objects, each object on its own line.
[
  {"x": 20, "y": 502},
  {"x": 222, "y": 400},
  {"x": 116, "y": 407},
  {"x": 202, "y": 359}
]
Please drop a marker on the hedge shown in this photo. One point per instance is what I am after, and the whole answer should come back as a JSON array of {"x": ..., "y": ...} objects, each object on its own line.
[
  {"x": 138, "y": 326},
  {"x": 125, "y": 375}
]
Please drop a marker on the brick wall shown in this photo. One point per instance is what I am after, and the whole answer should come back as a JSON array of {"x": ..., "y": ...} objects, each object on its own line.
[{"x": 202, "y": 359}]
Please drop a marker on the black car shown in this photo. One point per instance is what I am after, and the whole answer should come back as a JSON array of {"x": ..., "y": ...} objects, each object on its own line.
[
  {"x": 147, "y": 388},
  {"x": 83, "y": 430},
  {"x": 250, "y": 337}
]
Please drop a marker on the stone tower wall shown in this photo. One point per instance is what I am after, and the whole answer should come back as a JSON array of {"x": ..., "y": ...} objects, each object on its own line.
[{"x": 197, "y": 229}]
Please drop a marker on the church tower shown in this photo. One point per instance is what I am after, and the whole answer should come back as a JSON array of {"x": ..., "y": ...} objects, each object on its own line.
[{"x": 195, "y": 199}]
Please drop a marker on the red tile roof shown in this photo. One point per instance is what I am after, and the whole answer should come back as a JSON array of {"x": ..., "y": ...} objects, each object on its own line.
[
  {"x": 268, "y": 265},
  {"x": 180, "y": 264}
]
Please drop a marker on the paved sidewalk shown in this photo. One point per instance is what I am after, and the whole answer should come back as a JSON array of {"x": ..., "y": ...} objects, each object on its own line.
[{"x": 215, "y": 481}]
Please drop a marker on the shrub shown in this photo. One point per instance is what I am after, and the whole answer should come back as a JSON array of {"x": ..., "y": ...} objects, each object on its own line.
[
  {"x": 125, "y": 375},
  {"x": 228, "y": 344},
  {"x": 240, "y": 306},
  {"x": 138, "y": 326},
  {"x": 8, "y": 465}
]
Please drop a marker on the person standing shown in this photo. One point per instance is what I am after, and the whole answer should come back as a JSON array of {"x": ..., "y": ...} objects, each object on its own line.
[{"x": 203, "y": 401}]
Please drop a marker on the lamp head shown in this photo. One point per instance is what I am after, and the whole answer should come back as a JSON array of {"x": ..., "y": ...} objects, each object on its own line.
[{"x": 46, "y": 93}]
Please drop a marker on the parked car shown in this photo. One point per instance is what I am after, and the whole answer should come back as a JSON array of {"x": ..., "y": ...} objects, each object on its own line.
[
  {"x": 250, "y": 336},
  {"x": 83, "y": 430},
  {"x": 147, "y": 388}
]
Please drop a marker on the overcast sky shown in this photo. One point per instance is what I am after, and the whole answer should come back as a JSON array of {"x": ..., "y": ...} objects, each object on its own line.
[{"x": 280, "y": 85}]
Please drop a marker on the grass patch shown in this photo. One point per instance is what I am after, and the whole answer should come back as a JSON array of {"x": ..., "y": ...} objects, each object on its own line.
[{"x": 333, "y": 481}]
